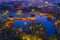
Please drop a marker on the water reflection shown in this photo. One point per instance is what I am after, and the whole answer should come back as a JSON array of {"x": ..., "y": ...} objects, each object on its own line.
[{"x": 49, "y": 26}]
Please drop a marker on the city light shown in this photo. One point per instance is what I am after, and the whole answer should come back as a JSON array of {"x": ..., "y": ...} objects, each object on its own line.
[{"x": 29, "y": 20}]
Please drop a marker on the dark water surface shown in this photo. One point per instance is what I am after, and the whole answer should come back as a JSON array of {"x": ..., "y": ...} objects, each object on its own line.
[{"x": 49, "y": 26}]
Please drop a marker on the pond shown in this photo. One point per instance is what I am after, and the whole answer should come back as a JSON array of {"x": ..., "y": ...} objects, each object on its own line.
[{"x": 49, "y": 26}]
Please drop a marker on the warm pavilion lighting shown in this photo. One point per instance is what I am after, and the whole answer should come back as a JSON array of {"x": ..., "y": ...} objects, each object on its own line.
[
  {"x": 23, "y": 37},
  {"x": 58, "y": 21},
  {"x": 28, "y": 38},
  {"x": 11, "y": 19},
  {"x": 41, "y": 14},
  {"x": 31, "y": 18},
  {"x": 6, "y": 25},
  {"x": 24, "y": 18},
  {"x": 17, "y": 32},
  {"x": 50, "y": 16},
  {"x": 19, "y": 12},
  {"x": 30, "y": 27},
  {"x": 33, "y": 10},
  {"x": 20, "y": 29},
  {"x": 40, "y": 39},
  {"x": 7, "y": 11}
]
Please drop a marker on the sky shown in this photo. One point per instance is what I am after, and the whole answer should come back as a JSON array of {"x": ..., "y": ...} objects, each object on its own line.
[
  {"x": 50, "y": 1},
  {"x": 53, "y": 1}
]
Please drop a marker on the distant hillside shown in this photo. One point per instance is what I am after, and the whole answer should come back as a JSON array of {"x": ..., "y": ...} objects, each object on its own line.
[{"x": 43, "y": 6}]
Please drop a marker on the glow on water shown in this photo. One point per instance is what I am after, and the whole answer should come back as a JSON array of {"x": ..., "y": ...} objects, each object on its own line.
[{"x": 49, "y": 26}]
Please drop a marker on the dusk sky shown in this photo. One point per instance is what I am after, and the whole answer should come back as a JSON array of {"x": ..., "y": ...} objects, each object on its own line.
[{"x": 51, "y": 1}]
